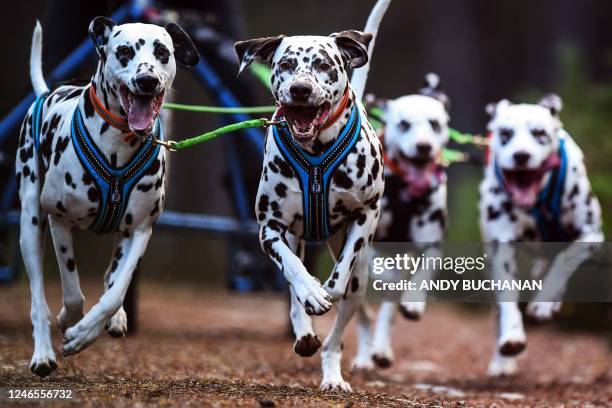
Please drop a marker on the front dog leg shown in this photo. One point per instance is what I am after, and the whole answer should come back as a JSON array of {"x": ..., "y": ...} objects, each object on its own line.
[
  {"x": 72, "y": 311},
  {"x": 87, "y": 330},
  {"x": 413, "y": 302},
  {"x": 306, "y": 288},
  {"x": 548, "y": 300},
  {"x": 511, "y": 338},
  {"x": 117, "y": 325},
  {"x": 358, "y": 235}
]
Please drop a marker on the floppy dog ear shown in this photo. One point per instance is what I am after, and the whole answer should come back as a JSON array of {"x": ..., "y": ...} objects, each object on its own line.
[
  {"x": 353, "y": 45},
  {"x": 185, "y": 51},
  {"x": 100, "y": 29},
  {"x": 261, "y": 49},
  {"x": 553, "y": 103},
  {"x": 431, "y": 88}
]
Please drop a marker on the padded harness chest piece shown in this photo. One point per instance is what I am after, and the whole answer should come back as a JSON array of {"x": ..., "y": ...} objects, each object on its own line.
[
  {"x": 314, "y": 173},
  {"x": 114, "y": 184}
]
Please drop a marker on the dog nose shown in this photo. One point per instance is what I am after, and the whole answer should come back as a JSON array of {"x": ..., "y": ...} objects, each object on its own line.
[
  {"x": 521, "y": 158},
  {"x": 147, "y": 83},
  {"x": 423, "y": 149},
  {"x": 300, "y": 90}
]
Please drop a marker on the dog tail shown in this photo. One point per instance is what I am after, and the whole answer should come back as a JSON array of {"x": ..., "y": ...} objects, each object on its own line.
[
  {"x": 360, "y": 75},
  {"x": 36, "y": 73}
]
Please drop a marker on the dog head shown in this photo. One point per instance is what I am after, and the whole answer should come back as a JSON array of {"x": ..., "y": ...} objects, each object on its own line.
[
  {"x": 525, "y": 144},
  {"x": 416, "y": 131},
  {"x": 309, "y": 74},
  {"x": 138, "y": 62}
]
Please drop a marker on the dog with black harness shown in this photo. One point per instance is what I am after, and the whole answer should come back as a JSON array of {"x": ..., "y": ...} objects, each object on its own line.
[
  {"x": 322, "y": 174},
  {"x": 87, "y": 159}
]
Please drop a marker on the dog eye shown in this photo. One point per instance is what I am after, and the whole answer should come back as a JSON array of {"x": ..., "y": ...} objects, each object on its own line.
[
  {"x": 122, "y": 51},
  {"x": 435, "y": 125},
  {"x": 161, "y": 52},
  {"x": 540, "y": 135},
  {"x": 403, "y": 126},
  {"x": 285, "y": 65},
  {"x": 505, "y": 135},
  {"x": 323, "y": 66}
]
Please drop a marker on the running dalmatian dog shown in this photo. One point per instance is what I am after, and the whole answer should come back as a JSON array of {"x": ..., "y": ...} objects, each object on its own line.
[
  {"x": 70, "y": 128},
  {"x": 414, "y": 203},
  {"x": 322, "y": 173},
  {"x": 530, "y": 153}
]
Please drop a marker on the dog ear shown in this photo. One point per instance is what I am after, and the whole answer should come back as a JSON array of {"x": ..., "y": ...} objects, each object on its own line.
[
  {"x": 185, "y": 51},
  {"x": 261, "y": 49},
  {"x": 353, "y": 45},
  {"x": 493, "y": 107},
  {"x": 431, "y": 88},
  {"x": 553, "y": 103},
  {"x": 100, "y": 29}
]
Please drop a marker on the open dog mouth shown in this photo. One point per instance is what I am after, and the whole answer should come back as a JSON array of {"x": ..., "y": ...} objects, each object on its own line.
[
  {"x": 420, "y": 173},
  {"x": 524, "y": 185},
  {"x": 141, "y": 110},
  {"x": 305, "y": 121}
]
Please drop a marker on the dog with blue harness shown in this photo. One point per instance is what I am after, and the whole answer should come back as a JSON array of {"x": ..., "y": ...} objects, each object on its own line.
[
  {"x": 322, "y": 178},
  {"x": 86, "y": 159},
  {"x": 535, "y": 188}
]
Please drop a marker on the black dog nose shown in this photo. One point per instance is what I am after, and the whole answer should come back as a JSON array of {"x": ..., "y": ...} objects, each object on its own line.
[
  {"x": 521, "y": 158},
  {"x": 147, "y": 83},
  {"x": 423, "y": 149},
  {"x": 300, "y": 90}
]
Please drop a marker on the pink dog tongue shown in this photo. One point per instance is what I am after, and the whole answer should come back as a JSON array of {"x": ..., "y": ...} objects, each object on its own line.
[
  {"x": 420, "y": 179},
  {"x": 140, "y": 116},
  {"x": 524, "y": 197}
]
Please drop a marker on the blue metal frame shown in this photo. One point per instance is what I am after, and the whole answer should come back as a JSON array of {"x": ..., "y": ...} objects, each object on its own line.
[{"x": 209, "y": 78}]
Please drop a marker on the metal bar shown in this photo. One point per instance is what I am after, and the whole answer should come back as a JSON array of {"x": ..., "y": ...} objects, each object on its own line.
[
  {"x": 70, "y": 64},
  {"x": 172, "y": 219},
  {"x": 212, "y": 81}
]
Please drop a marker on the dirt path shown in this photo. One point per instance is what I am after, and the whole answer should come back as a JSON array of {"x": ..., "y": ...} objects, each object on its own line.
[{"x": 198, "y": 347}]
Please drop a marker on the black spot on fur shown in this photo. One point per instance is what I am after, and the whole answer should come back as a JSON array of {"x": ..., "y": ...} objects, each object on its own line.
[
  {"x": 342, "y": 180},
  {"x": 281, "y": 189},
  {"x": 93, "y": 194},
  {"x": 128, "y": 219},
  {"x": 354, "y": 284},
  {"x": 34, "y": 220},
  {"x": 285, "y": 169},
  {"x": 438, "y": 215},
  {"x": 358, "y": 245},
  {"x": 60, "y": 206},
  {"x": 70, "y": 264}
]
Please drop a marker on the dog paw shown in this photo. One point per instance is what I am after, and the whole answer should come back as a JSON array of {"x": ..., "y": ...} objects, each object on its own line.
[
  {"x": 335, "y": 384},
  {"x": 66, "y": 320},
  {"x": 542, "y": 311},
  {"x": 512, "y": 346},
  {"x": 333, "y": 290},
  {"x": 312, "y": 296},
  {"x": 500, "y": 367},
  {"x": 362, "y": 364},
  {"x": 382, "y": 359},
  {"x": 79, "y": 337},
  {"x": 43, "y": 364},
  {"x": 307, "y": 345},
  {"x": 117, "y": 325},
  {"x": 412, "y": 310}
]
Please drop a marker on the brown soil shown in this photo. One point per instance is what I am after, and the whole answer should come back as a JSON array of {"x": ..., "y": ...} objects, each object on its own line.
[{"x": 198, "y": 347}]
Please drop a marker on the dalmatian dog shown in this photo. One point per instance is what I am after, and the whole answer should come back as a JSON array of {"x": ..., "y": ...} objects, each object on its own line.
[
  {"x": 136, "y": 68},
  {"x": 528, "y": 149},
  {"x": 310, "y": 85},
  {"x": 414, "y": 203}
]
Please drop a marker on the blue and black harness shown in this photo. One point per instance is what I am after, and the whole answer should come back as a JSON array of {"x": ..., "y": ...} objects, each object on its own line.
[
  {"x": 114, "y": 184},
  {"x": 314, "y": 173},
  {"x": 547, "y": 209}
]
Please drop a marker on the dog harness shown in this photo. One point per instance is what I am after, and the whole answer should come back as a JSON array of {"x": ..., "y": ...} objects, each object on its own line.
[
  {"x": 314, "y": 173},
  {"x": 547, "y": 209},
  {"x": 114, "y": 184}
]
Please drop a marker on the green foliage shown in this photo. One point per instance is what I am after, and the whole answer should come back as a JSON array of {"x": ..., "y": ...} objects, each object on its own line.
[{"x": 587, "y": 116}]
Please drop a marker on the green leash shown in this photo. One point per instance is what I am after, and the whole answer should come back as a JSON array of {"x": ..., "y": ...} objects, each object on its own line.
[
  {"x": 234, "y": 127},
  {"x": 218, "y": 109}
]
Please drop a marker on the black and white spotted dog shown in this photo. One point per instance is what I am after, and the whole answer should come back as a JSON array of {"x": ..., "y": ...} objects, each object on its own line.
[
  {"x": 530, "y": 154},
  {"x": 310, "y": 84},
  {"x": 414, "y": 203},
  {"x": 137, "y": 66}
]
